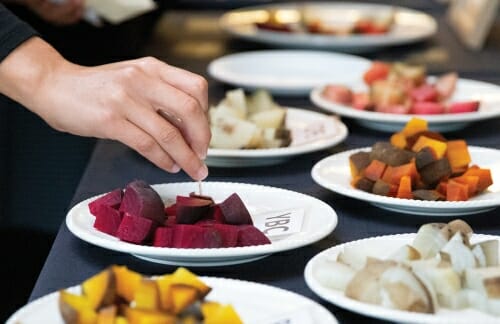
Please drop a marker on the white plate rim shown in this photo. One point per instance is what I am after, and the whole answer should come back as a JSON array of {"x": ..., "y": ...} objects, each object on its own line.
[
  {"x": 205, "y": 255},
  {"x": 216, "y": 69},
  {"x": 373, "y": 116},
  {"x": 289, "y": 151},
  {"x": 365, "y": 309},
  {"x": 330, "y": 41},
  {"x": 217, "y": 283},
  {"x": 398, "y": 202}
]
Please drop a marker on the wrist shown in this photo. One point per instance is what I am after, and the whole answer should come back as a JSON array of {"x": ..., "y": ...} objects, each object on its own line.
[{"x": 28, "y": 69}]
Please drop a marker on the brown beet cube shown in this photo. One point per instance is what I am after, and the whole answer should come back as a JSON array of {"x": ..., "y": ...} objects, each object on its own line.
[
  {"x": 390, "y": 154},
  {"x": 432, "y": 173}
]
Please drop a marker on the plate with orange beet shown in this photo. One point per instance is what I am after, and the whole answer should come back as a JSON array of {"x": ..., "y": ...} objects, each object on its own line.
[{"x": 416, "y": 171}]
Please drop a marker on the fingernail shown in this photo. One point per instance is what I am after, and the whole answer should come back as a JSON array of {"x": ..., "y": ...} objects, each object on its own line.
[
  {"x": 202, "y": 172},
  {"x": 202, "y": 155},
  {"x": 175, "y": 168}
]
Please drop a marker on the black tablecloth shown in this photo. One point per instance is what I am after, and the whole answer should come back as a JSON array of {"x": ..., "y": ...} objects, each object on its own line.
[{"x": 113, "y": 165}]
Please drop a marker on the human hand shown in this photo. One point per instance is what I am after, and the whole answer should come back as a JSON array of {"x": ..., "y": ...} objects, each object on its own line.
[
  {"x": 117, "y": 101},
  {"x": 66, "y": 12}
]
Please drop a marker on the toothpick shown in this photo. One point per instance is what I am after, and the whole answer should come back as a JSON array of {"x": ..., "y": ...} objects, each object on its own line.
[{"x": 199, "y": 188}]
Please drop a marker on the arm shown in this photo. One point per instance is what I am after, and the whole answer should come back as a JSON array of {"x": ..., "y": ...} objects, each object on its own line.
[{"x": 117, "y": 101}]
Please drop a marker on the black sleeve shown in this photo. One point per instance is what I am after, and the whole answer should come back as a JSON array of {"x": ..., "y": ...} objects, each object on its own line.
[{"x": 13, "y": 32}]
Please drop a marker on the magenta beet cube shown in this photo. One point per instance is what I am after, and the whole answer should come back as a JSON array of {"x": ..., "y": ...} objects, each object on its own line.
[
  {"x": 249, "y": 235},
  {"x": 107, "y": 219},
  {"x": 170, "y": 221},
  {"x": 140, "y": 199},
  {"x": 234, "y": 211},
  {"x": 112, "y": 199},
  {"x": 205, "y": 222},
  {"x": 228, "y": 233},
  {"x": 192, "y": 236},
  {"x": 134, "y": 229},
  {"x": 217, "y": 215},
  {"x": 188, "y": 236},
  {"x": 163, "y": 237},
  {"x": 171, "y": 210}
]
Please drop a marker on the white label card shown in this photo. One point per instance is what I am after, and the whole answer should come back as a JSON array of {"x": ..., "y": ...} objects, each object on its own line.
[{"x": 276, "y": 224}]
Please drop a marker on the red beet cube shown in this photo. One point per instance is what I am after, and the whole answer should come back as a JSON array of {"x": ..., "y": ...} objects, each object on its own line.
[
  {"x": 171, "y": 210},
  {"x": 217, "y": 215},
  {"x": 112, "y": 199},
  {"x": 249, "y": 235},
  {"x": 140, "y": 199},
  {"x": 228, "y": 233},
  {"x": 194, "y": 236},
  {"x": 190, "y": 209},
  {"x": 163, "y": 237},
  {"x": 107, "y": 219},
  {"x": 234, "y": 211},
  {"x": 171, "y": 221},
  {"x": 134, "y": 229},
  {"x": 187, "y": 236}
]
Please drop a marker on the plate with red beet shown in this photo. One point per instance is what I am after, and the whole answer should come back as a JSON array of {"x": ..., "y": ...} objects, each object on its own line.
[
  {"x": 388, "y": 95},
  {"x": 229, "y": 223}
]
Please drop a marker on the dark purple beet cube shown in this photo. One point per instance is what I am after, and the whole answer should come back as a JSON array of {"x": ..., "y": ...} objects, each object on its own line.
[
  {"x": 190, "y": 209},
  {"x": 134, "y": 229},
  {"x": 234, "y": 211},
  {"x": 112, "y": 199},
  {"x": 141, "y": 200},
  {"x": 228, "y": 233},
  {"x": 107, "y": 219},
  {"x": 195, "y": 195},
  {"x": 163, "y": 237},
  {"x": 249, "y": 235}
]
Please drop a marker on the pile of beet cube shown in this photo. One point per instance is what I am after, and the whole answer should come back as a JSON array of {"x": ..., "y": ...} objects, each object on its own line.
[{"x": 138, "y": 215}]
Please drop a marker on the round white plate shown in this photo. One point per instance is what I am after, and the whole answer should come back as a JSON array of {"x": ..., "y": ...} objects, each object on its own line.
[
  {"x": 409, "y": 26},
  {"x": 381, "y": 247},
  {"x": 488, "y": 94},
  {"x": 286, "y": 72},
  {"x": 310, "y": 131},
  {"x": 333, "y": 173},
  {"x": 319, "y": 221},
  {"x": 255, "y": 303}
]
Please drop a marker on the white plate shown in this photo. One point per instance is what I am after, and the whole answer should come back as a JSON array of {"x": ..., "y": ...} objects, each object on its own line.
[
  {"x": 409, "y": 26},
  {"x": 488, "y": 94},
  {"x": 319, "y": 221},
  {"x": 286, "y": 72},
  {"x": 333, "y": 173},
  {"x": 381, "y": 247},
  {"x": 255, "y": 303},
  {"x": 310, "y": 131}
]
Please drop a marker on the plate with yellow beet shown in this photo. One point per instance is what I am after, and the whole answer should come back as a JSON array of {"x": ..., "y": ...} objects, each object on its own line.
[
  {"x": 120, "y": 295},
  {"x": 416, "y": 171}
]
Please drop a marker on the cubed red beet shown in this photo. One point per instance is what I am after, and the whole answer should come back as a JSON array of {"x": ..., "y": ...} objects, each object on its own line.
[
  {"x": 112, "y": 199},
  {"x": 140, "y": 199},
  {"x": 107, "y": 219},
  {"x": 171, "y": 210},
  {"x": 134, "y": 229},
  {"x": 217, "y": 215},
  {"x": 163, "y": 237},
  {"x": 249, "y": 235},
  {"x": 190, "y": 209},
  {"x": 463, "y": 107},
  {"x": 234, "y": 211},
  {"x": 228, "y": 233},
  {"x": 171, "y": 221},
  {"x": 205, "y": 222},
  {"x": 194, "y": 236}
]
